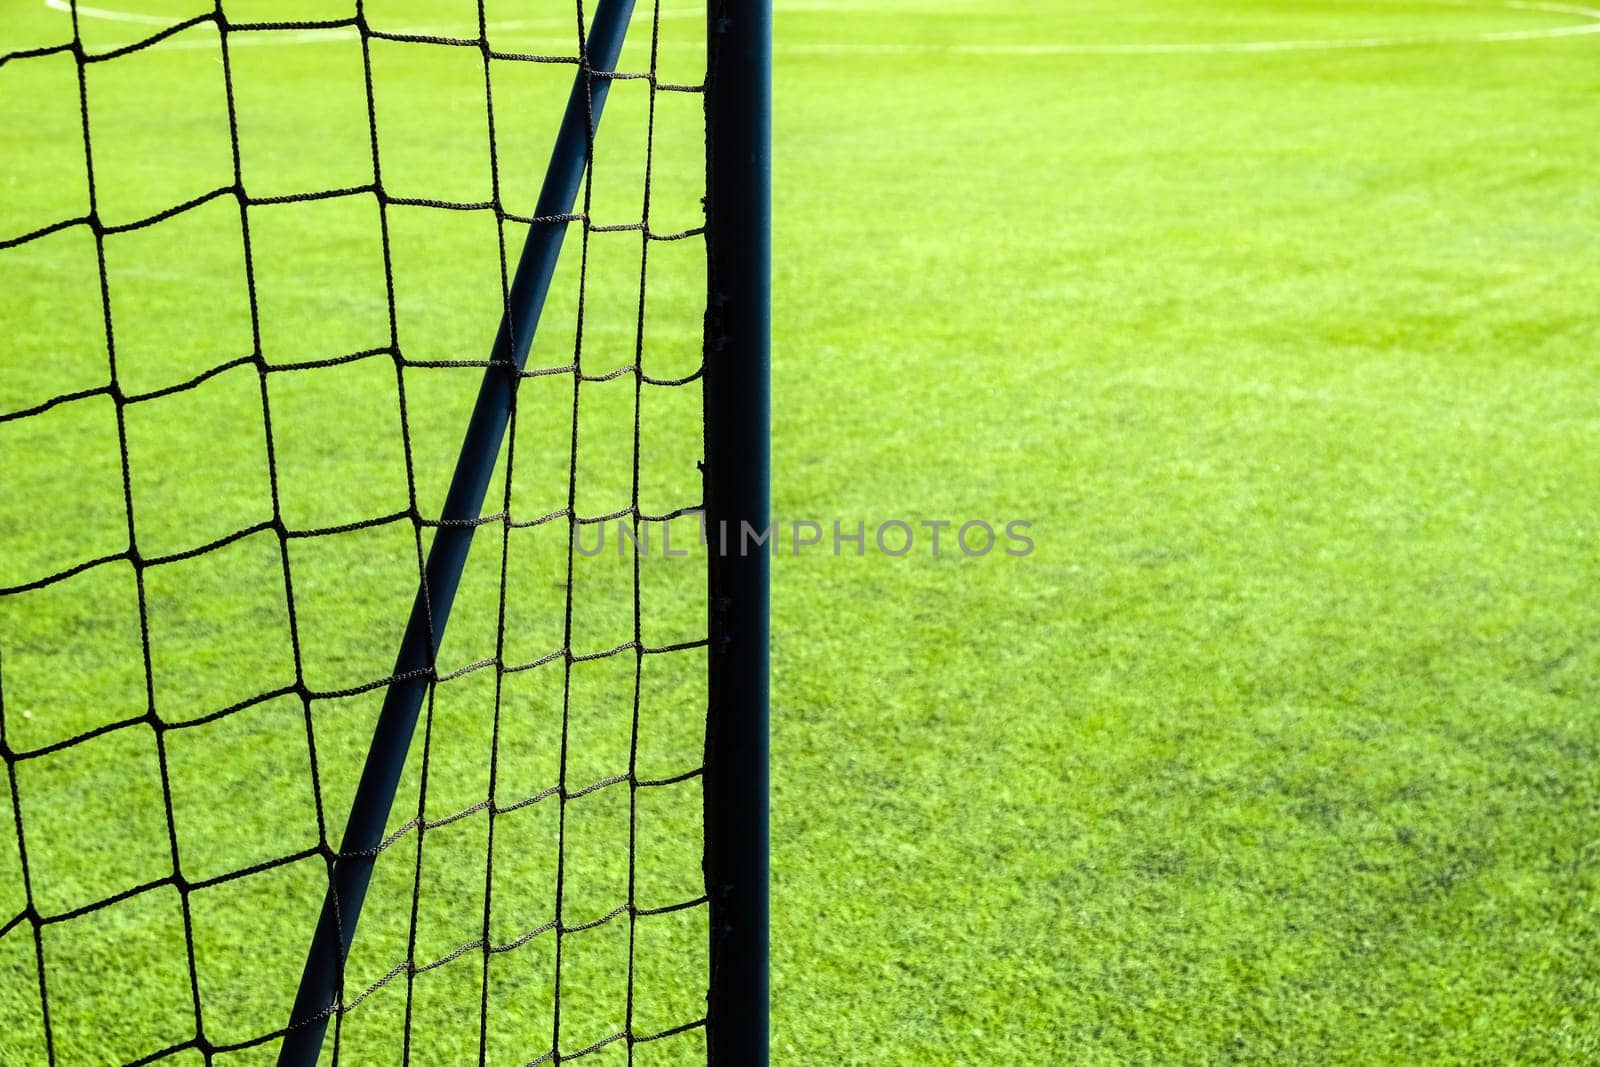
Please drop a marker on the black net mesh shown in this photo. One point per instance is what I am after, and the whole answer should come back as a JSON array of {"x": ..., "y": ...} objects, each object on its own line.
[{"x": 251, "y": 259}]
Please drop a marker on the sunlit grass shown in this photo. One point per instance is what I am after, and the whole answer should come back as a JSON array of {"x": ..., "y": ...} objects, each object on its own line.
[{"x": 1280, "y": 748}]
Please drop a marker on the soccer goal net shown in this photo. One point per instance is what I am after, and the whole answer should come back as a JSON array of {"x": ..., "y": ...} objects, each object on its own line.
[{"x": 361, "y": 407}]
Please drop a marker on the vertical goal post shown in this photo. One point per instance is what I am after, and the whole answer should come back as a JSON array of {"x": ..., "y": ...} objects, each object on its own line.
[{"x": 737, "y": 475}]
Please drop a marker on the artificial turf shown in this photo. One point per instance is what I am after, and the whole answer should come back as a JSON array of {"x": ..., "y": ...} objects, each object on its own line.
[{"x": 1281, "y": 747}]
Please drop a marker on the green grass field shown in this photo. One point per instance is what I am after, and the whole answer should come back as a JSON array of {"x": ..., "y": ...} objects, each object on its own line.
[{"x": 1276, "y": 319}]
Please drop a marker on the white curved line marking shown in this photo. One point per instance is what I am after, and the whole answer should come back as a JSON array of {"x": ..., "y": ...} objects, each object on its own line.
[
  {"x": 295, "y": 36},
  {"x": 109, "y": 16},
  {"x": 1592, "y": 26},
  {"x": 140, "y": 19}
]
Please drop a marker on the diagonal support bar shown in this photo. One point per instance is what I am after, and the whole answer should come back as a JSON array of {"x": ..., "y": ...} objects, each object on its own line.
[{"x": 369, "y": 812}]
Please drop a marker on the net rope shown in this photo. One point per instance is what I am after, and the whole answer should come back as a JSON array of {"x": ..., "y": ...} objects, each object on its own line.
[{"x": 484, "y": 949}]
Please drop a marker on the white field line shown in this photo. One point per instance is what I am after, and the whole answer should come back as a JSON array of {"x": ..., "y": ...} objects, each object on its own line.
[
  {"x": 110, "y": 16},
  {"x": 1592, "y": 26},
  {"x": 1179, "y": 48}
]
